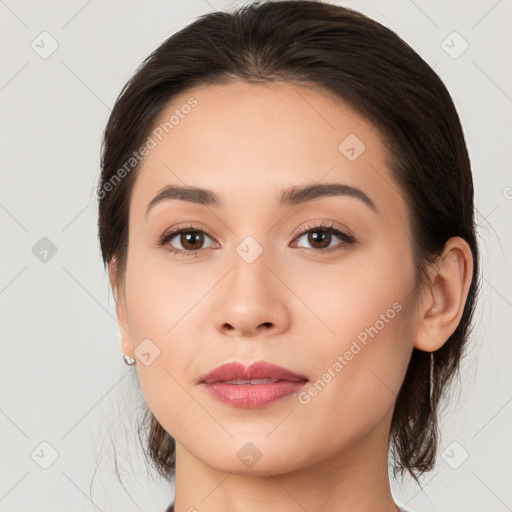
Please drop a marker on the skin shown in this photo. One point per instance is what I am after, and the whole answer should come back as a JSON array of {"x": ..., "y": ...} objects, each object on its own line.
[{"x": 291, "y": 306}]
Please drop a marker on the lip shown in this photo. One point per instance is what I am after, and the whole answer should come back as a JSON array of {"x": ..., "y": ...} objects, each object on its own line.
[{"x": 217, "y": 383}]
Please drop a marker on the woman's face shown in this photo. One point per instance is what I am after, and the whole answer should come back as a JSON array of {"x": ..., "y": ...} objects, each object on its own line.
[{"x": 255, "y": 289}]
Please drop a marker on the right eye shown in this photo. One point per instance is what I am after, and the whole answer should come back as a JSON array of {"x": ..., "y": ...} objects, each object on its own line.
[{"x": 190, "y": 237}]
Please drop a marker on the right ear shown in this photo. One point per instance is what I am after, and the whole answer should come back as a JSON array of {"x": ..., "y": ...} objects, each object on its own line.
[{"x": 127, "y": 346}]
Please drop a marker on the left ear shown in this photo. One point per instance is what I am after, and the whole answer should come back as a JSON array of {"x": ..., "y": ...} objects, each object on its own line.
[{"x": 444, "y": 298}]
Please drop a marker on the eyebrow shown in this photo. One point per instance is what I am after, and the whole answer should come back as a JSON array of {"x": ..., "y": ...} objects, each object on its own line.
[{"x": 290, "y": 197}]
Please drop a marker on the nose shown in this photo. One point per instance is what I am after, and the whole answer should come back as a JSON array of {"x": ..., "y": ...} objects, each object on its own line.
[{"x": 252, "y": 301}]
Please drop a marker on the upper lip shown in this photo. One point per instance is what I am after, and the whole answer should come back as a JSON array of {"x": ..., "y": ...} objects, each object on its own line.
[{"x": 258, "y": 370}]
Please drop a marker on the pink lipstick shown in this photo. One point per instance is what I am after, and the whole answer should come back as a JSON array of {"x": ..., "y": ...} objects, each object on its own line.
[{"x": 252, "y": 386}]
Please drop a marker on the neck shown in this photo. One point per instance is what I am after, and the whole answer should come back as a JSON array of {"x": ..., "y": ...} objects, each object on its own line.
[{"x": 354, "y": 478}]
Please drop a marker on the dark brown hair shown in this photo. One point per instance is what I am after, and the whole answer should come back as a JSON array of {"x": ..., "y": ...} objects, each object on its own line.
[{"x": 370, "y": 68}]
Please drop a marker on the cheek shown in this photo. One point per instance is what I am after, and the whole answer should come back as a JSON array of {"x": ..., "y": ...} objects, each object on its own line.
[
  {"x": 168, "y": 303},
  {"x": 368, "y": 290},
  {"x": 161, "y": 292},
  {"x": 365, "y": 319}
]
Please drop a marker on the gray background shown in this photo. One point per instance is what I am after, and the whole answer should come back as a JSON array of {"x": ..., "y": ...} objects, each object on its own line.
[{"x": 63, "y": 382}]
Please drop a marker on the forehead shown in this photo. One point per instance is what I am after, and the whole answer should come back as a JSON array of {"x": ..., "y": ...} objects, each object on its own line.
[{"x": 252, "y": 141}]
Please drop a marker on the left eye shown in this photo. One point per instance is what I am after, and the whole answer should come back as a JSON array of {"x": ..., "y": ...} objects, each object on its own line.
[{"x": 323, "y": 236}]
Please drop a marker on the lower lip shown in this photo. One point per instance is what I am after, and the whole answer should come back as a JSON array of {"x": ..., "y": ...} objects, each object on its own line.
[{"x": 250, "y": 396}]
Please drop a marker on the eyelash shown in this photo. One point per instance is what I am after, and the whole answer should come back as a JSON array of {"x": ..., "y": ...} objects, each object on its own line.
[{"x": 325, "y": 228}]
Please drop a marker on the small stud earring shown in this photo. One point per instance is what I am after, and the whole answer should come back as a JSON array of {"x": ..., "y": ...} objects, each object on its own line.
[{"x": 130, "y": 361}]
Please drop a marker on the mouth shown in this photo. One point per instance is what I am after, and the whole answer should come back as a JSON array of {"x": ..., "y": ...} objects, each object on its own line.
[
  {"x": 256, "y": 385},
  {"x": 253, "y": 382}
]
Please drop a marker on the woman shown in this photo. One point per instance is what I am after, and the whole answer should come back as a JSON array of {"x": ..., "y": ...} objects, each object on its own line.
[{"x": 286, "y": 213}]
